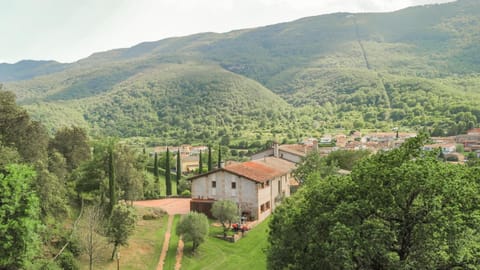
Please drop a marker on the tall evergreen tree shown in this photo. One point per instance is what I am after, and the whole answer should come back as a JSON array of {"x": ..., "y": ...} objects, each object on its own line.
[
  {"x": 179, "y": 170},
  {"x": 155, "y": 167},
  {"x": 168, "y": 182},
  {"x": 209, "y": 158},
  {"x": 155, "y": 172},
  {"x": 111, "y": 179},
  {"x": 200, "y": 162},
  {"x": 219, "y": 156}
]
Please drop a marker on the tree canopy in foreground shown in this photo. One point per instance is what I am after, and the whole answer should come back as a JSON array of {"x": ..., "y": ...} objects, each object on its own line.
[{"x": 401, "y": 209}]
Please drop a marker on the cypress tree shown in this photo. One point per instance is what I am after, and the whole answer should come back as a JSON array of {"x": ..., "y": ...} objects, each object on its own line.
[
  {"x": 155, "y": 167},
  {"x": 200, "y": 163},
  {"x": 219, "y": 156},
  {"x": 168, "y": 182},
  {"x": 209, "y": 158},
  {"x": 155, "y": 173},
  {"x": 179, "y": 170},
  {"x": 111, "y": 180}
]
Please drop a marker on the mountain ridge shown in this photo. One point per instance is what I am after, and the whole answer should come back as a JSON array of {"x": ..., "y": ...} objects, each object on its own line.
[{"x": 337, "y": 70}]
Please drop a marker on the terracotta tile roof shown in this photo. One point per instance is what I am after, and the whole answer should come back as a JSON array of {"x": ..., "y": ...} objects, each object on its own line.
[
  {"x": 261, "y": 170},
  {"x": 296, "y": 149},
  {"x": 257, "y": 170}
]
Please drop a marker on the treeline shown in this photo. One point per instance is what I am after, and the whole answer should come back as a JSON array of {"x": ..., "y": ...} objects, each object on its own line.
[
  {"x": 400, "y": 209},
  {"x": 48, "y": 184}
]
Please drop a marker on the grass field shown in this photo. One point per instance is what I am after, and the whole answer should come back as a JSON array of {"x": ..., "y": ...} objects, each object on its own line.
[
  {"x": 163, "y": 186},
  {"x": 247, "y": 253},
  {"x": 143, "y": 251}
]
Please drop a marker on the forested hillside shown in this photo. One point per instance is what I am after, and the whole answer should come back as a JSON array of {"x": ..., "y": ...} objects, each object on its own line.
[{"x": 416, "y": 68}]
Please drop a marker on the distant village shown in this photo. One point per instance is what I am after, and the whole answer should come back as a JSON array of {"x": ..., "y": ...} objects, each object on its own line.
[
  {"x": 259, "y": 185},
  {"x": 374, "y": 142}
]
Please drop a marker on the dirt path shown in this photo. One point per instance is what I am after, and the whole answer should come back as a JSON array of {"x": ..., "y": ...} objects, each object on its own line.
[
  {"x": 165, "y": 243},
  {"x": 172, "y": 206},
  {"x": 178, "y": 263}
]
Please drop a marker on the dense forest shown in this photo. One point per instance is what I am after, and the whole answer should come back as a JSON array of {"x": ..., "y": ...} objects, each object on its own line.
[
  {"x": 416, "y": 69},
  {"x": 63, "y": 194}
]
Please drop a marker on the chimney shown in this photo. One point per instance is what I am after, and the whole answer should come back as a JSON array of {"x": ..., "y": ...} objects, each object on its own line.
[
  {"x": 275, "y": 149},
  {"x": 222, "y": 164}
]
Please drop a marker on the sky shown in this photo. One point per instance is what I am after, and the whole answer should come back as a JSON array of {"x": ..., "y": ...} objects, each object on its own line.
[{"x": 68, "y": 30}]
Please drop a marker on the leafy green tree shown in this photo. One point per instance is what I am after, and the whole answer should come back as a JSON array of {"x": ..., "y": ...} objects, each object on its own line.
[
  {"x": 121, "y": 226},
  {"x": 401, "y": 209},
  {"x": 19, "y": 217},
  {"x": 52, "y": 193},
  {"x": 8, "y": 155},
  {"x": 168, "y": 181},
  {"x": 210, "y": 167},
  {"x": 72, "y": 143},
  {"x": 226, "y": 212},
  {"x": 200, "y": 162},
  {"x": 129, "y": 167},
  {"x": 313, "y": 163},
  {"x": 194, "y": 227},
  {"x": 17, "y": 130},
  {"x": 179, "y": 171},
  {"x": 346, "y": 159}
]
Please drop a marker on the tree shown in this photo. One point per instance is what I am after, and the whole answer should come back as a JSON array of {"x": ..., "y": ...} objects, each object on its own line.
[
  {"x": 121, "y": 226},
  {"x": 112, "y": 190},
  {"x": 346, "y": 159},
  {"x": 168, "y": 181},
  {"x": 226, "y": 212},
  {"x": 17, "y": 130},
  {"x": 209, "y": 158},
  {"x": 129, "y": 167},
  {"x": 200, "y": 162},
  {"x": 52, "y": 194},
  {"x": 401, "y": 209},
  {"x": 19, "y": 217},
  {"x": 72, "y": 143},
  {"x": 155, "y": 166},
  {"x": 90, "y": 234},
  {"x": 219, "y": 157},
  {"x": 194, "y": 227},
  {"x": 313, "y": 163},
  {"x": 179, "y": 171}
]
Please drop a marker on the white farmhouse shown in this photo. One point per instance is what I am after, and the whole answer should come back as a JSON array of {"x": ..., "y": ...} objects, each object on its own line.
[{"x": 256, "y": 186}]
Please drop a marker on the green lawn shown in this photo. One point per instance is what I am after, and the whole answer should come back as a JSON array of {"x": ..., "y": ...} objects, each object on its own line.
[
  {"x": 248, "y": 253},
  {"x": 170, "y": 259},
  {"x": 163, "y": 186}
]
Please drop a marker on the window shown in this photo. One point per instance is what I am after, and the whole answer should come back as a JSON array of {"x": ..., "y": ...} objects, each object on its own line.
[
  {"x": 267, "y": 205},
  {"x": 279, "y": 186},
  {"x": 214, "y": 184},
  {"x": 234, "y": 185},
  {"x": 262, "y": 208},
  {"x": 267, "y": 183}
]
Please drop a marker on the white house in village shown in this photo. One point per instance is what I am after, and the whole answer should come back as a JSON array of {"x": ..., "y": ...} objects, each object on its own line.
[{"x": 257, "y": 187}]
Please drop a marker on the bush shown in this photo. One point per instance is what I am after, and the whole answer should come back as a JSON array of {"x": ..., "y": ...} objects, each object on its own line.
[
  {"x": 186, "y": 193},
  {"x": 68, "y": 262}
]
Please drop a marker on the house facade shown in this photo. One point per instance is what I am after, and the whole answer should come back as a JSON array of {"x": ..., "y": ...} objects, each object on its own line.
[{"x": 257, "y": 187}]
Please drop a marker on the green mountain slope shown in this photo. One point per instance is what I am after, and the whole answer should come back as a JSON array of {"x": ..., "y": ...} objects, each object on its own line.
[{"x": 417, "y": 68}]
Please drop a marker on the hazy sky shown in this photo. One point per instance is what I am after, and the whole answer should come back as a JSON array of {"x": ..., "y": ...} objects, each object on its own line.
[{"x": 68, "y": 30}]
